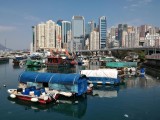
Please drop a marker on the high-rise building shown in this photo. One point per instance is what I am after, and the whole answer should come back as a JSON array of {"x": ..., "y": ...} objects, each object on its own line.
[
  {"x": 124, "y": 41},
  {"x": 78, "y": 32},
  {"x": 90, "y": 26},
  {"x": 40, "y": 36},
  {"x": 33, "y": 44},
  {"x": 47, "y": 36},
  {"x": 102, "y": 32},
  {"x": 50, "y": 34},
  {"x": 58, "y": 37},
  {"x": 66, "y": 28},
  {"x": 59, "y": 22},
  {"x": 94, "y": 40}
]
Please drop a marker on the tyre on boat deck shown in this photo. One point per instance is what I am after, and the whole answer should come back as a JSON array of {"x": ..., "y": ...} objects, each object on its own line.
[{"x": 19, "y": 89}]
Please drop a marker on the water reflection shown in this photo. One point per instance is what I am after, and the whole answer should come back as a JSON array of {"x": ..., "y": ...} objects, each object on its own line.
[
  {"x": 62, "y": 70},
  {"x": 105, "y": 91},
  {"x": 16, "y": 67},
  {"x": 33, "y": 68},
  {"x": 66, "y": 106},
  {"x": 142, "y": 81}
]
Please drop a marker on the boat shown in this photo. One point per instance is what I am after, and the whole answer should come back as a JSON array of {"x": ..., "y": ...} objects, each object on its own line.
[
  {"x": 47, "y": 87},
  {"x": 105, "y": 59},
  {"x": 18, "y": 60},
  {"x": 35, "y": 61},
  {"x": 121, "y": 64},
  {"x": 102, "y": 76},
  {"x": 4, "y": 59},
  {"x": 82, "y": 60},
  {"x": 56, "y": 61}
]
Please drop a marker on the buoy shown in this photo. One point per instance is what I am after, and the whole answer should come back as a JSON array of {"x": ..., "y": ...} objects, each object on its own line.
[
  {"x": 4, "y": 85},
  {"x": 126, "y": 115},
  {"x": 34, "y": 99},
  {"x": 76, "y": 101},
  {"x": 11, "y": 90},
  {"x": 13, "y": 96},
  {"x": 91, "y": 85},
  {"x": 45, "y": 98}
]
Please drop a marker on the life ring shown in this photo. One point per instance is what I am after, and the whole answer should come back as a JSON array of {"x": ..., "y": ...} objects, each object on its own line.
[
  {"x": 13, "y": 96},
  {"x": 11, "y": 90}
]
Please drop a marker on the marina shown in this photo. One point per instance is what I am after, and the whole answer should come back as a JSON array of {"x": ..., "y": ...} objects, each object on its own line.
[
  {"x": 137, "y": 98},
  {"x": 77, "y": 60}
]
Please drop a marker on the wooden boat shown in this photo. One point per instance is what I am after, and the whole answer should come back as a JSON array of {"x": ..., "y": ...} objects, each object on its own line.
[
  {"x": 47, "y": 87},
  {"x": 56, "y": 61}
]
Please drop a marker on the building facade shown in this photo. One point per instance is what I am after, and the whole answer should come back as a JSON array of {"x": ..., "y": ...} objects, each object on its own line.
[
  {"x": 78, "y": 32},
  {"x": 47, "y": 36},
  {"x": 94, "y": 40},
  {"x": 66, "y": 28},
  {"x": 102, "y": 32}
]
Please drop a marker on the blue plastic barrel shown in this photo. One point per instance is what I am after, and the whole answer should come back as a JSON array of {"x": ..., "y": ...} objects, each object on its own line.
[
  {"x": 26, "y": 91},
  {"x": 37, "y": 92},
  {"x": 32, "y": 88},
  {"x": 42, "y": 90},
  {"x": 142, "y": 71}
]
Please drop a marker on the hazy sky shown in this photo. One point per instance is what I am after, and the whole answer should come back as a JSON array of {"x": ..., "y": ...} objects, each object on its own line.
[{"x": 17, "y": 16}]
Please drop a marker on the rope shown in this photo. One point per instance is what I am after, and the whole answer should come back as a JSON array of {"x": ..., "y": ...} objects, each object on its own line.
[
  {"x": 36, "y": 77},
  {"x": 51, "y": 77},
  {"x": 20, "y": 75}
]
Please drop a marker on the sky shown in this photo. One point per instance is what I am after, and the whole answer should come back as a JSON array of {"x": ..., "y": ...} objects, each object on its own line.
[{"x": 18, "y": 16}]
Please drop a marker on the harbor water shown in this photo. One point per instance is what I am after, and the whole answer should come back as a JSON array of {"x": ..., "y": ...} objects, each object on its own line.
[{"x": 137, "y": 99}]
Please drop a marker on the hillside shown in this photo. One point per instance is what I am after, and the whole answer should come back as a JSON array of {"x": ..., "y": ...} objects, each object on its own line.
[{"x": 3, "y": 47}]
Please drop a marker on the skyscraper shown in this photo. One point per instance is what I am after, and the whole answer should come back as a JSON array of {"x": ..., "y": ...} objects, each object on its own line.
[
  {"x": 78, "y": 32},
  {"x": 47, "y": 36},
  {"x": 90, "y": 26},
  {"x": 66, "y": 27},
  {"x": 102, "y": 32},
  {"x": 50, "y": 34},
  {"x": 94, "y": 40}
]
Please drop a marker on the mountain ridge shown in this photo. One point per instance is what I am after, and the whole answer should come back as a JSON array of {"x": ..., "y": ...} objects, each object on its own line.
[{"x": 2, "y": 47}]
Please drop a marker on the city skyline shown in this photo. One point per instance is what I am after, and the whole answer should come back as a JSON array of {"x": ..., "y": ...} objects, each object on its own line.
[{"x": 18, "y": 17}]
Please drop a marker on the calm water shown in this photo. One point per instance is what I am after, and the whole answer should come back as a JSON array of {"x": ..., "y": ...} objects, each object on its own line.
[{"x": 137, "y": 99}]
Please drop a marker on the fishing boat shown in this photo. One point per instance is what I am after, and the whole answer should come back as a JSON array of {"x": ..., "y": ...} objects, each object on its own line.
[
  {"x": 56, "y": 61},
  {"x": 35, "y": 61},
  {"x": 47, "y": 87},
  {"x": 102, "y": 76}
]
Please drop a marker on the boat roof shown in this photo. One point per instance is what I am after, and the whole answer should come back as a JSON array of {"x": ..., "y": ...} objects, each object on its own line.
[{"x": 28, "y": 76}]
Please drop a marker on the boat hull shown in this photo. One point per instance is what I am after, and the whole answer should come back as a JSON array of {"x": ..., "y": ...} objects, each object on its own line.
[{"x": 29, "y": 98}]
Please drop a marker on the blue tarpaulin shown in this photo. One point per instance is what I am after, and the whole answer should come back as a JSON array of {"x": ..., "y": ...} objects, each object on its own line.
[
  {"x": 76, "y": 81},
  {"x": 28, "y": 76}
]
